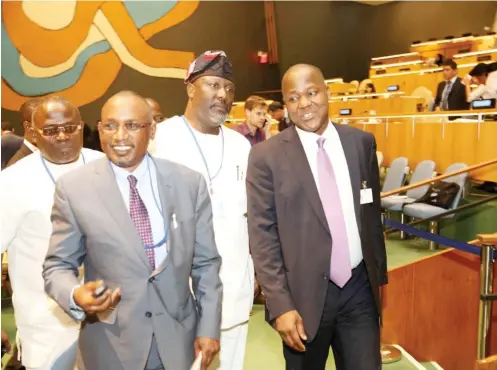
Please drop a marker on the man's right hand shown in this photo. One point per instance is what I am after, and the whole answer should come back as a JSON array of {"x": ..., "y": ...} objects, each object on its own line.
[
  {"x": 291, "y": 329},
  {"x": 84, "y": 297}
]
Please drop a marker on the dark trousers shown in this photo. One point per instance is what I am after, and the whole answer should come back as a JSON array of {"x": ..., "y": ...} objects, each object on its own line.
[{"x": 350, "y": 325}]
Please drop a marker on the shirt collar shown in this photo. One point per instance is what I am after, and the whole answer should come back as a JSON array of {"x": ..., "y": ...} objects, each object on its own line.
[
  {"x": 30, "y": 146},
  {"x": 311, "y": 137},
  {"x": 122, "y": 174}
]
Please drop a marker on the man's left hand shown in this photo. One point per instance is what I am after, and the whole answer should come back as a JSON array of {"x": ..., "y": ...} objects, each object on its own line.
[{"x": 209, "y": 348}]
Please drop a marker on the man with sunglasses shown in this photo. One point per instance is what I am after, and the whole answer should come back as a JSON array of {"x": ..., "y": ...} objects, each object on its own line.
[
  {"x": 143, "y": 227},
  {"x": 47, "y": 335},
  {"x": 198, "y": 140}
]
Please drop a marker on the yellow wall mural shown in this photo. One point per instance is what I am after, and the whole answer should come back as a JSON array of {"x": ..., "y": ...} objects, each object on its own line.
[{"x": 76, "y": 48}]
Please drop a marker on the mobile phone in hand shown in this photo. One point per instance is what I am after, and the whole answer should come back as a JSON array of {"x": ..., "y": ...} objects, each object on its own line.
[{"x": 100, "y": 290}]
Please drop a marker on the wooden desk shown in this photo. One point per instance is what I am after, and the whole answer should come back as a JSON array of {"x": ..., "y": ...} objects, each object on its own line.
[
  {"x": 429, "y": 136},
  {"x": 409, "y": 81},
  {"x": 381, "y": 105},
  {"x": 449, "y": 48}
]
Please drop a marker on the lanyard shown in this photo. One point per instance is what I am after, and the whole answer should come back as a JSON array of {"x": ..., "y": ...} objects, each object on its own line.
[
  {"x": 50, "y": 173},
  {"x": 166, "y": 228},
  {"x": 211, "y": 178}
]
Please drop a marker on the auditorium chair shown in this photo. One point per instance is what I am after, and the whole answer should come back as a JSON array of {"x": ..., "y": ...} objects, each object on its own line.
[
  {"x": 424, "y": 170},
  {"x": 396, "y": 174},
  {"x": 421, "y": 210}
]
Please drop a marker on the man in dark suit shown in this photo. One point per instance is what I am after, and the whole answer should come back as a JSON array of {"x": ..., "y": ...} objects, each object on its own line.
[
  {"x": 451, "y": 93},
  {"x": 10, "y": 142},
  {"x": 316, "y": 233},
  {"x": 28, "y": 146}
]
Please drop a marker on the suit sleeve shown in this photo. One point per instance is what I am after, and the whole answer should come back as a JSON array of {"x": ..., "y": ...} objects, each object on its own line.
[
  {"x": 380, "y": 253},
  {"x": 206, "y": 282},
  {"x": 438, "y": 98},
  {"x": 263, "y": 234},
  {"x": 66, "y": 252}
]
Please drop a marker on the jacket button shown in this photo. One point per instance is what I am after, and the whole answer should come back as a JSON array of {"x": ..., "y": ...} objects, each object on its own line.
[
  {"x": 151, "y": 280},
  {"x": 148, "y": 314},
  {"x": 326, "y": 277}
]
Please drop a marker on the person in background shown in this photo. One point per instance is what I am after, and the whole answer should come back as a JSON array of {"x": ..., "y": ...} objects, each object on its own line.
[
  {"x": 198, "y": 140},
  {"x": 255, "y": 120},
  {"x": 143, "y": 227},
  {"x": 279, "y": 113},
  {"x": 486, "y": 79},
  {"x": 10, "y": 142},
  {"x": 369, "y": 89},
  {"x": 158, "y": 118},
  {"x": 156, "y": 110},
  {"x": 29, "y": 143},
  {"x": 316, "y": 233},
  {"x": 451, "y": 93},
  {"x": 47, "y": 335}
]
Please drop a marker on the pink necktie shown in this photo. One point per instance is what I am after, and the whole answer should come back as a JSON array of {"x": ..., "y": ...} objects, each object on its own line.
[
  {"x": 340, "y": 268},
  {"x": 140, "y": 218}
]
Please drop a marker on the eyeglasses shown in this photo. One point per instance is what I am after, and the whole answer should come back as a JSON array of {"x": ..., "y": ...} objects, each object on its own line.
[
  {"x": 52, "y": 131},
  {"x": 129, "y": 126}
]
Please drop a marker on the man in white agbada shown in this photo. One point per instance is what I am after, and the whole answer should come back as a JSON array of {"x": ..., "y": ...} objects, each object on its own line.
[
  {"x": 198, "y": 140},
  {"x": 47, "y": 336}
]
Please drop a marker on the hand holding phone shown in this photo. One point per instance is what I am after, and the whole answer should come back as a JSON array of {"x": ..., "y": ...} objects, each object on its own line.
[
  {"x": 95, "y": 296},
  {"x": 100, "y": 290}
]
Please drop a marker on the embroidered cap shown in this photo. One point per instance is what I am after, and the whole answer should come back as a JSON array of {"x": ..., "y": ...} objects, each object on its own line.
[{"x": 210, "y": 63}]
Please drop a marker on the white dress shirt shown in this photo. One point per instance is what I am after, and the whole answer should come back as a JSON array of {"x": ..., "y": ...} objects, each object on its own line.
[
  {"x": 334, "y": 149},
  {"x": 30, "y": 146},
  {"x": 148, "y": 188},
  {"x": 487, "y": 91}
]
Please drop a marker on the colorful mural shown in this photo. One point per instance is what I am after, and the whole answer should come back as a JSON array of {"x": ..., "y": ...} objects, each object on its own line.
[{"x": 76, "y": 48}]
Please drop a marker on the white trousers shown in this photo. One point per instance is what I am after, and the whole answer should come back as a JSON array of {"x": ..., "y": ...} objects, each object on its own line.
[
  {"x": 232, "y": 354},
  {"x": 60, "y": 359}
]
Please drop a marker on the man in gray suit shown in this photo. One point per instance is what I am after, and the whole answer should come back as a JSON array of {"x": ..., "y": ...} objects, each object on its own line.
[
  {"x": 142, "y": 227},
  {"x": 316, "y": 233}
]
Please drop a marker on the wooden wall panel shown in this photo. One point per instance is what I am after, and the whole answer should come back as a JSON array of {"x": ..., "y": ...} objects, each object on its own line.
[{"x": 431, "y": 309}]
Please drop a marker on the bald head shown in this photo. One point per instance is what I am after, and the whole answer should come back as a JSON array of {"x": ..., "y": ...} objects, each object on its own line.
[
  {"x": 58, "y": 129},
  {"x": 298, "y": 71},
  {"x": 126, "y": 127},
  {"x": 128, "y": 101},
  {"x": 52, "y": 107},
  {"x": 306, "y": 97}
]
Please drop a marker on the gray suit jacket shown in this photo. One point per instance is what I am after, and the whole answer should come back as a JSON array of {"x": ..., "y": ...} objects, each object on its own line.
[
  {"x": 289, "y": 236},
  {"x": 92, "y": 226}
]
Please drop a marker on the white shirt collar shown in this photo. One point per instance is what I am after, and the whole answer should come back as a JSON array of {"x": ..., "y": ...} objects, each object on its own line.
[
  {"x": 122, "y": 174},
  {"x": 30, "y": 146},
  {"x": 311, "y": 137}
]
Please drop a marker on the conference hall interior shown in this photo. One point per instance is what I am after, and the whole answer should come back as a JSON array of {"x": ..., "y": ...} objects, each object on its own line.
[{"x": 421, "y": 76}]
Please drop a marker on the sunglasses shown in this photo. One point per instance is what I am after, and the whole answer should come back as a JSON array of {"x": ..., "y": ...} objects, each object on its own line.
[{"x": 52, "y": 131}]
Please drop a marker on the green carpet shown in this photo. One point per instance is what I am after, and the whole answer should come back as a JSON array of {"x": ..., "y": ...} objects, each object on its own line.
[{"x": 264, "y": 348}]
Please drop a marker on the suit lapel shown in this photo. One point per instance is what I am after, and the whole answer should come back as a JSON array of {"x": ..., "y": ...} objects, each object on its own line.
[
  {"x": 350, "y": 149},
  {"x": 296, "y": 156},
  {"x": 166, "y": 194},
  {"x": 106, "y": 186}
]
